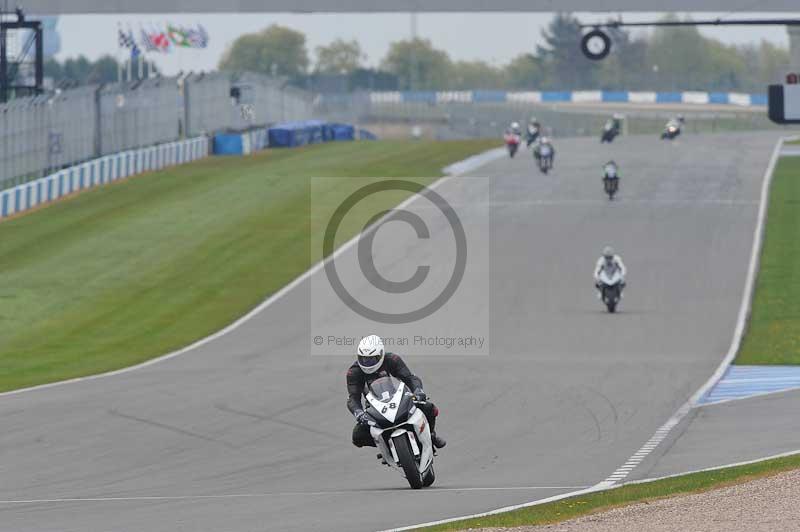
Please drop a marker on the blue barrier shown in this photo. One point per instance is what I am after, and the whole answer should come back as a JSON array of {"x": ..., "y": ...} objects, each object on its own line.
[
  {"x": 228, "y": 144},
  {"x": 488, "y": 96},
  {"x": 669, "y": 97},
  {"x": 718, "y": 97},
  {"x": 615, "y": 96},
  {"x": 556, "y": 96},
  {"x": 419, "y": 97}
]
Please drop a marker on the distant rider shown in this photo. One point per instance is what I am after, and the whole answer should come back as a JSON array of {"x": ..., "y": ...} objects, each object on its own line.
[
  {"x": 613, "y": 262},
  {"x": 537, "y": 149},
  {"x": 534, "y": 129},
  {"x": 610, "y": 170},
  {"x": 372, "y": 364}
]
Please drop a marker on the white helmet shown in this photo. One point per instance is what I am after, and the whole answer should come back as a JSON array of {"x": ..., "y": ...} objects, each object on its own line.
[
  {"x": 515, "y": 126},
  {"x": 370, "y": 353},
  {"x": 608, "y": 252}
]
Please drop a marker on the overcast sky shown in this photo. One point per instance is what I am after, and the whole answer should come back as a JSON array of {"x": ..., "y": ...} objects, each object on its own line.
[{"x": 493, "y": 37}]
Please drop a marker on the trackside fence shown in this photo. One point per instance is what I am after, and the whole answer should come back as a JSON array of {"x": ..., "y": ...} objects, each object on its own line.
[
  {"x": 100, "y": 171},
  {"x": 44, "y": 134}
]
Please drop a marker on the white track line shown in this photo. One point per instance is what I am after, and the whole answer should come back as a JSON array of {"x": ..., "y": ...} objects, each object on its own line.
[
  {"x": 264, "y": 495},
  {"x": 593, "y": 489},
  {"x": 614, "y": 480},
  {"x": 453, "y": 170},
  {"x": 744, "y": 311}
]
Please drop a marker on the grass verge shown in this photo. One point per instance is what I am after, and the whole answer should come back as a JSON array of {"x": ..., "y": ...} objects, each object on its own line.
[
  {"x": 130, "y": 271},
  {"x": 773, "y": 333},
  {"x": 629, "y": 494}
]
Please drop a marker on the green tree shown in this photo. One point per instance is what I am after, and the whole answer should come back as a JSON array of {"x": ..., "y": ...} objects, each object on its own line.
[
  {"x": 417, "y": 64},
  {"x": 524, "y": 72},
  {"x": 276, "y": 50},
  {"x": 626, "y": 67},
  {"x": 566, "y": 66},
  {"x": 465, "y": 75},
  {"x": 77, "y": 69},
  {"x": 339, "y": 57},
  {"x": 104, "y": 70}
]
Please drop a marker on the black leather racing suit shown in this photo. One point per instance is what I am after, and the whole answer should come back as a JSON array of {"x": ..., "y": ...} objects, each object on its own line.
[{"x": 358, "y": 383}]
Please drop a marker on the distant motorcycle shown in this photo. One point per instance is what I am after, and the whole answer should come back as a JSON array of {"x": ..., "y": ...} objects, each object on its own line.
[
  {"x": 544, "y": 153},
  {"x": 672, "y": 129},
  {"x": 610, "y": 180},
  {"x": 532, "y": 134},
  {"x": 401, "y": 431},
  {"x": 610, "y": 287},
  {"x": 610, "y": 132},
  {"x": 512, "y": 143}
]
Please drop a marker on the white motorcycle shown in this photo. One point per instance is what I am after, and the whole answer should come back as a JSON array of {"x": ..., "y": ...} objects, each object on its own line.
[
  {"x": 545, "y": 158},
  {"x": 401, "y": 431},
  {"x": 611, "y": 287}
]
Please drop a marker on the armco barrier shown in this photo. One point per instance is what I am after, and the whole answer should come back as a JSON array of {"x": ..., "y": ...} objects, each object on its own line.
[
  {"x": 690, "y": 97},
  {"x": 99, "y": 172}
]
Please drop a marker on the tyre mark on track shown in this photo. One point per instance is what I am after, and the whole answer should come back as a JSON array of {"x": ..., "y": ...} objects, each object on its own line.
[{"x": 170, "y": 428}]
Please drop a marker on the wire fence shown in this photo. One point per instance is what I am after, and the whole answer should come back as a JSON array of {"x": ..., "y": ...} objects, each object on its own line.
[{"x": 42, "y": 134}]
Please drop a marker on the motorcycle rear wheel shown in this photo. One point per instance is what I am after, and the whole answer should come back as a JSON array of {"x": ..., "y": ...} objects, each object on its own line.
[{"x": 407, "y": 461}]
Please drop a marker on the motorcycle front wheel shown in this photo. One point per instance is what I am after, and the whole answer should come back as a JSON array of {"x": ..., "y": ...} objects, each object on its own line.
[
  {"x": 429, "y": 477},
  {"x": 407, "y": 461}
]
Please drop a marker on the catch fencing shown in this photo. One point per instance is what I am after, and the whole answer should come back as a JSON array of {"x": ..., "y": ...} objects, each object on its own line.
[{"x": 43, "y": 134}]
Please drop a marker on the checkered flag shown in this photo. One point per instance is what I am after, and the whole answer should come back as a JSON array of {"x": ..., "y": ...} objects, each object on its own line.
[{"x": 125, "y": 39}]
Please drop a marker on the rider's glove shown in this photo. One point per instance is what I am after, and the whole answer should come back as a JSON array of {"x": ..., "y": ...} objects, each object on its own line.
[
  {"x": 420, "y": 395},
  {"x": 362, "y": 417}
]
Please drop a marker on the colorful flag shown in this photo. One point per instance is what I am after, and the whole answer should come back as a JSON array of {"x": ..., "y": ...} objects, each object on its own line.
[
  {"x": 147, "y": 41},
  {"x": 178, "y": 36},
  {"x": 198, "y": 38}
]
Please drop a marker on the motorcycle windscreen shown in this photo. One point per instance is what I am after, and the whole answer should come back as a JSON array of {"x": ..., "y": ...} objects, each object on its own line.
[
  {"x": 610, "y": 275},
  {"x": 545, "y": 151},
  {"x": 384, "y": 388}
]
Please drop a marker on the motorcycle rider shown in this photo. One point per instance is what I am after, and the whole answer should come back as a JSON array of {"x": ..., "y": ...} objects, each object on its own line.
[
  {"x": 610, "y": 170},
  {"x": 676, "y": 122},
  {"x": 537, "y": 149},
  {"x": 373, "y": 363},
  {"x": 611, "y": 260},
  {"x": 514, "y": 129},
  {"x": 534, "y": 129}
]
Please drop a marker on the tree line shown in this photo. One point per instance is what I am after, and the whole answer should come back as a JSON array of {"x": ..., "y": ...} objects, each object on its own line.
[
  {"x": 664, "y": 59},
  {"x": 83, "y": 71}
]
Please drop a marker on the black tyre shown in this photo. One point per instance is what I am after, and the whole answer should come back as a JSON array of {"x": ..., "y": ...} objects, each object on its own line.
[
  {"x": 429, "y": 477},
  {"x": 612, "y": 306},
  {"x": 407, "y": 461}
]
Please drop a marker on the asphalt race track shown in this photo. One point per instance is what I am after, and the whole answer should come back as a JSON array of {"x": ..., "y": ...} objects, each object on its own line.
[{"x": 249, "y": 432}]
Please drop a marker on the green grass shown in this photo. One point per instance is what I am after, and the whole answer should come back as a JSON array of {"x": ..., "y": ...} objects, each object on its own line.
[
  {"x": 773, "y": 334},
  {"x": 632, "y": 493},
  {"x": 130, "y": 271}
]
